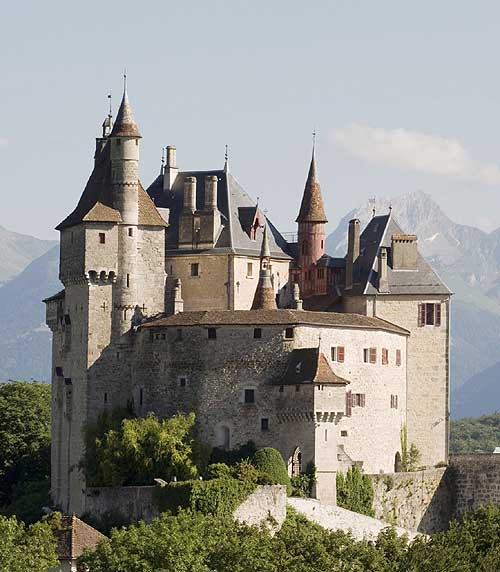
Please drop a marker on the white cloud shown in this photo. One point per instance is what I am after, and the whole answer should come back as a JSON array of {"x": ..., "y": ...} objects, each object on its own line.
[{"x": 415, "y": 151}]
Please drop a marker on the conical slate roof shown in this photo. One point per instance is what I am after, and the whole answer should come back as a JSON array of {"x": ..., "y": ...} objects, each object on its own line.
[
  {"x": 125, "y": 125},
  {"x": 311, "y": 208},
  {"x": 265, "y": 251},
  {"x": 264, "y": 298}
]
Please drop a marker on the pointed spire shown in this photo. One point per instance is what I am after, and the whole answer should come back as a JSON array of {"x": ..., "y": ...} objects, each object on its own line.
[
  {"x": 125, "y": 125},
  {"x": 311, "y": 208},
  {"x": 264, "y": 298},
  {"x": 226, "y": 160},
  {"x": 107, "y": 124}
]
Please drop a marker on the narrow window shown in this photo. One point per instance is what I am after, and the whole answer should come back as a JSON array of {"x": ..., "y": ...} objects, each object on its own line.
[
  {"x": 182, "y": 382},
  {"x": 102, "y": 238},
  {"x": 195, "y": 269},
  {"x": 343, "y": 433},
  {"x": 72, "y": 236},
  {"x": 289, "y": 333},
  {"x": 141, "y": 396},
  {"x": 385, "y": 356},
  {"x": 348, "y": 403},
  {"x": 322, "y": 244},
  {"x": 398, "y": 357},
  {"x": 326, "y": 434},
  {"x": 297, "y": 388},
  {"x": 394, "y": 401},
  {"x": 373, "y": 355},
  {"x": 249, "y": 395},
  {"x": 429, "y": 314},
  {"x": 249, "y": 269},
  {"x": 131, "y": 231},
  {"x": 340, "y": 354},
  {"x": 257, "y": 333},
  {"x": 212, "y": 334},
  {"x": 179, "y": 334},
  {"x": 334, "y": 353},
  {"x": 282, "y": 388},
  {"x": 105, "y": 397},
  {"x": 128, "y": 280},
  {"x": 264, "y": 424},
  {"x": 366, "y": 355}
]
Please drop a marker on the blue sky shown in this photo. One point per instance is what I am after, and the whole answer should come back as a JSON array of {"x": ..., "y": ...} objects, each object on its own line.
[{"x": 404, "y": 96}]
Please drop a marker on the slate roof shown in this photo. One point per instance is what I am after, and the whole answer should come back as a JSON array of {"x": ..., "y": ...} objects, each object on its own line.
[
  {"x": 125, "y": 125},
  {"x": 238, "y": 212},
  {"x": 311, "y": 208},
  {"x": 96, "y": 202},
  {"x": 74, "y": 536},
  {"x": 272, "y": 317},
  {"x": 309, "y": 365},
  {"x": 378, "y": 233},
  {"x": 59, "y": 296}
]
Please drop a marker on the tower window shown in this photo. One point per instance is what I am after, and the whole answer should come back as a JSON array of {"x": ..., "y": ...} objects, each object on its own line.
[
  {"x": 264, "y": 424},
  {"x": 141, "y": 396},
  {"x": 249, "y": 269},
  {"x": 249, "y": 395},
  {"x": 102, "y": 238},
  {"x": 212, "y": 334},
  {"x": 128, "y": 280},
  {"x": 131, "y": 231},
  {"x": 257, "y": 333},
  {"x": 195, "y": 269},
  {"x": 105, "y": 397},
  {"x": 182, "y": 382},
  {"x": 289, "y": 333}
]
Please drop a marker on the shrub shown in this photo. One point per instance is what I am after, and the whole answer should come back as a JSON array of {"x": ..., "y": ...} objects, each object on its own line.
[
  {"x": 233, "y": 456},
  {"x": 355, "y": 491},
  {"x": 303, "y": 484},
  {"x": 272, "y": 466}
]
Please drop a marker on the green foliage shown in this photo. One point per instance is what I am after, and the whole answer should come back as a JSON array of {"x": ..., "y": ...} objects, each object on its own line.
[
  {"x": 475, "y": 435},
  {"x": 410, "y": 459},
  {"x": 233, "y": 456},
  {"x": 271, "y": 464},
  {"x": 24, "y": 448},
  {"x": 193, "y": 542},
  {"x": 355, "y": 491},
  {"x": 220, "y": 496},
  {"x": 26, "y": 549},
  {"x": 303, "y": 484},
  {"x": 122, "y": 451}
]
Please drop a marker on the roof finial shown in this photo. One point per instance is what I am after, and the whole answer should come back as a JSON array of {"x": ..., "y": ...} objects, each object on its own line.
[
  {"x": 314, "y": 140},
  {"x": 109, "y": 97},
  {"x": 226, "y": 159},
  {"x": 124, "y": 80},
  {"x": 162, "y": 170}
]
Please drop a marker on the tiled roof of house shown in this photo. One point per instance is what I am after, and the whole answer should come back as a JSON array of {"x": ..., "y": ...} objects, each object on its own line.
[
  {"x": 238, "y": 212},
  {"x": 309, "y": 365},
  {"x": 311, "y": 208},
  {"x": 273, "y": 317},
  {"x": 378, "y": 233},
  {"x": 74, "y": 536}
]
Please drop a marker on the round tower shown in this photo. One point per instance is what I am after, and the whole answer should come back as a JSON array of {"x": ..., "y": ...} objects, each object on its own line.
[{"x": 125, "y": 138}]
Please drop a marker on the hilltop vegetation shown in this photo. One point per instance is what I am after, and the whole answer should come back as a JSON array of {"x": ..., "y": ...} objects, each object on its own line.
[{"x": 475, "y": 435}]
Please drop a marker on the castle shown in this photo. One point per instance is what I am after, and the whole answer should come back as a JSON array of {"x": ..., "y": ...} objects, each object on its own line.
[{"x": 185, "y": 297}]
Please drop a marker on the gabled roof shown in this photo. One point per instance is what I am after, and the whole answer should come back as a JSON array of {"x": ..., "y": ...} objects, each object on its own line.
[
  {"x": 377, "y": 234},
  {"x": 236, "y": 207},
  {"x": 74, "y": 536},
  {"x": 311, "y": 208},
  {"x": 96, "y": 202},
  {"x": 309, "y": 365}
]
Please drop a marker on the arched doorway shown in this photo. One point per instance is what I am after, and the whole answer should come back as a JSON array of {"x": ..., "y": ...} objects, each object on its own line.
[
  {"x": 295, "y": 463},
  {"x": 223, "y": 437}
]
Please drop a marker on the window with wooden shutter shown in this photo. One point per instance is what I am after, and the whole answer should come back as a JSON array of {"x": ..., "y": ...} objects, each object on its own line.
[
  {"x": 437, "y": 314},
  {"x": 348, "y": 403},
  {"x": 340, "y": 354},
  {"x": 421, "y": 315},
  {"x": 373, "y": 355},
  {"x": 385, "y": 356},
  {"x": 398, "y": 357}
]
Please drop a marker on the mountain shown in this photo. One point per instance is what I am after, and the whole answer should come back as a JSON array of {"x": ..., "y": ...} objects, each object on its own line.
[
  {"x": 18, "y": 250},
  {"x": 468, "y": 260},
  {"x": 25, "y": 340}
]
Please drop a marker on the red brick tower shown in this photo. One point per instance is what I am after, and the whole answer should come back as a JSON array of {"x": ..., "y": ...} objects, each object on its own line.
[{"x": 311, "y": 237}]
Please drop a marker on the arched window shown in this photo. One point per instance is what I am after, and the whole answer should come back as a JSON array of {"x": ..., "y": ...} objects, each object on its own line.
[
  {"x": 223, "y": 437},
  {"x": 295, "y": 463}
]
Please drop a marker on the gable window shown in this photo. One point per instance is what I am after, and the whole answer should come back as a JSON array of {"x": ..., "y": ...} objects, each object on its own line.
[
  {"x": 102, "y": 238},
  {"x": 398, "y": 357},
  {"x": 264, "y": 424},
  {"x": 394, "y": 401},
  {"x": 249, "y": 269},
  {"x": 385, "y": 356},
  {"x": 289, "y": 333},
  {"x": 195, "y": 269},
  {"x": 370, "y": 355},
  {"x": 429, "y": 314},
  {"x": 338, "y": 354},
  {"x": 249, "y": 395},
  {"x": 257, "y": 333},
  {"x": 212, "y": 334}
]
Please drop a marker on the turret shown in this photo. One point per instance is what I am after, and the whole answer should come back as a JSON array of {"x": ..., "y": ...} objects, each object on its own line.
[
  {"x": 171, "y": 169},
  {"x": 124, "y": 139},
  {"x": 264, "y": 298}
]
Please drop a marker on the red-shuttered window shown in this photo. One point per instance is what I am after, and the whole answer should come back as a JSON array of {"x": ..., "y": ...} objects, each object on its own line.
[
  {"x": 429, "y": 314},
  {"x": 385, "y": 356},
  {"x": 338, "y": 353}
]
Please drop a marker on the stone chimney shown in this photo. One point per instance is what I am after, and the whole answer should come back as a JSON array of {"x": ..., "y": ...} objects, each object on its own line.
[
  {"x": 189, "y": 194},
  {"x": 352, "y": 252},
  {"x": 404, "y": 251},
  {"x": 297, "y": 302},
  {"x": 171, "y": 170},
  {"x": 383, "y": 283},
  {"x": 211, "y": 192}
]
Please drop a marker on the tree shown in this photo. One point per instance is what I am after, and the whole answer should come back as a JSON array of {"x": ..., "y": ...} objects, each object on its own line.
[
  {"x": 24, "y": 446},
  {"x": 26, "y": 549},
  {"x": 355, "y": 491},
  {"x": 136, "y": 451},
  {"x": 270, "y": 463}
]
